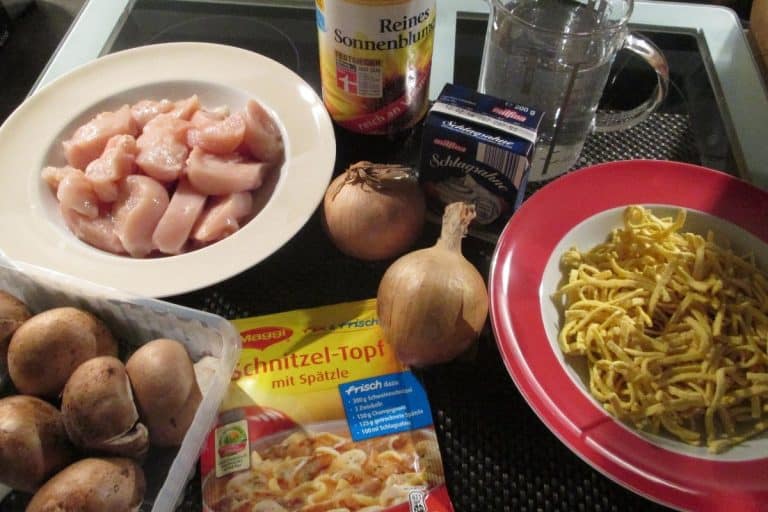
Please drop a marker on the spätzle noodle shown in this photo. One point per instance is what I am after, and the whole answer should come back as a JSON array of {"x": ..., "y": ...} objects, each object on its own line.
[
  {"x": 320, "y": 417},
  {"x": 674, "y": 329}
]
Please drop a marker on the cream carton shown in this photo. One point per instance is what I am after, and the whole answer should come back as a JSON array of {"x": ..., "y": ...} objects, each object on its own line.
[{"x": 477, "y": 148}]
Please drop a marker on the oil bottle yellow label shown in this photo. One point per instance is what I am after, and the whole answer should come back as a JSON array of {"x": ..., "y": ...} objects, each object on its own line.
[{"x": 375, "y": 61}]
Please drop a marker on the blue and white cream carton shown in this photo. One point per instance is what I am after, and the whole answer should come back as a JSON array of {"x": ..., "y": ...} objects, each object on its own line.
[{"x": 477, "y": 148}]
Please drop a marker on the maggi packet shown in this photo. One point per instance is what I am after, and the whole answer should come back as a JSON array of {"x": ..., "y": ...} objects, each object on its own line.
[{"x": 320, "y": 416}]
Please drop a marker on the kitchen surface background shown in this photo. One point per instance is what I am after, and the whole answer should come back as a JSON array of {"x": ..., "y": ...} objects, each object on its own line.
[{"x": 37, "y": 26}]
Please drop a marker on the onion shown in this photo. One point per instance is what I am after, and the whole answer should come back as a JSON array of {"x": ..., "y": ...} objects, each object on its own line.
[
  {"x": 374, "y": 211},
  {"x": 432, "y": 303}
]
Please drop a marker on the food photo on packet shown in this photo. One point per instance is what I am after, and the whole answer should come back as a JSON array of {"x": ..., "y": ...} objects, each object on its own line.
[{"x": 321, "y": 415}]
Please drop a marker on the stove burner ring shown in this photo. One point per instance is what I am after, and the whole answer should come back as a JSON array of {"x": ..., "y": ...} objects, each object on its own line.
[{"x": 241, "y": 31}]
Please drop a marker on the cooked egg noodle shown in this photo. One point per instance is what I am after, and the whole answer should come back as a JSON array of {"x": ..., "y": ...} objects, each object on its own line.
[{"x": 673, "y": 327}]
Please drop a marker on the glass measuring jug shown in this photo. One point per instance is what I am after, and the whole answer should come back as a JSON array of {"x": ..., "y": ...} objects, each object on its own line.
[{"x": 556, "y": 56}]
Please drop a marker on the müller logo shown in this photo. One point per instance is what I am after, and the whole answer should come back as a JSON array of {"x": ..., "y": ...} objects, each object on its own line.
[
  {"x": 450, "y": 145},
  {"x": 509, "y": 114},
  {"x": 263, "y": 337}
]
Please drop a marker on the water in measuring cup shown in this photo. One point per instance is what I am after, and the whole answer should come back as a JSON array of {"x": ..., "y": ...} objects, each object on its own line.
[{"x": 553, "y": 70}]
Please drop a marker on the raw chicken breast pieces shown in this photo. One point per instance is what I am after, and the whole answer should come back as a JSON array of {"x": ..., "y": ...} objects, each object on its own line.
[
  {"x": 221, "y": 175},
  {"x": 89, "y": 140},
  {"x": 163, "y": 147},
  {"x": 174, "y": 227},
  {"x": 223, "y": 216},
  {"x": 163, "y": 177},
  {"x": 214, "y": 134},
  {"x": 116, "y": 162}
]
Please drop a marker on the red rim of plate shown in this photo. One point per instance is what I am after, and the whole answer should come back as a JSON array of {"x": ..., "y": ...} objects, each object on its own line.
[{"x": 525, "y": 245}]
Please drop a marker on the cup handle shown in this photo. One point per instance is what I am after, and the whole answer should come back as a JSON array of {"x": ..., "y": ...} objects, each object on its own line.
[{"x": 644, "y": 48}]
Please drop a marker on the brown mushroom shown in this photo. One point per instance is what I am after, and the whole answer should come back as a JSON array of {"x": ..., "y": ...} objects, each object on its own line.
[
  {"x": 33, "y": 442},
  {"x": 99, "y": 412},
  {"x": 93, "y": 485},
  {"x": 165, "y": 388},
  {"x": 46, "y": 349},
  {"x": 13, "y": 313},
  {"x": 170, "y": 429}
]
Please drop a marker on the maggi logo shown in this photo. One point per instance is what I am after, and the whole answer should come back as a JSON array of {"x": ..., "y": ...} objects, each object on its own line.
[{"x": 263, "y": 337}]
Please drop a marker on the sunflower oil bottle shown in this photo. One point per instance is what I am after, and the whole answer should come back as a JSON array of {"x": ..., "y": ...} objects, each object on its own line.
[{"x": 375, "y": 61}]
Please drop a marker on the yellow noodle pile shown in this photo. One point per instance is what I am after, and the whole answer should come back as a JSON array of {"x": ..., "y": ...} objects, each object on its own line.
[{"x": 674, "y": 329}]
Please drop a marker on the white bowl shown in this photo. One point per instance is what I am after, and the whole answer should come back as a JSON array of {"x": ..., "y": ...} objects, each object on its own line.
[{"x": 31, "y": 229}]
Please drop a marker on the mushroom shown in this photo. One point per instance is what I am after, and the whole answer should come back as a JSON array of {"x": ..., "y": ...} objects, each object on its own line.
[
  {"x": 93, "y": 485},
  {"x": 33, "y": 442},
  {"x": 99, "y": 412},
  {"x": 13, "y": 313},
  {"x": 46, "y": 349},
  {"x": 165, "y": 388}
]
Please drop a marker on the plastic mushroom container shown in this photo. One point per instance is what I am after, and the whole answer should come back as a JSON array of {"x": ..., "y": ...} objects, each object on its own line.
[{"x": 211, "y": 341}]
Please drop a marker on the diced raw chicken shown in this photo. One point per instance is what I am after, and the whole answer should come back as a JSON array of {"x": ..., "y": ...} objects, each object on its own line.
[
  {"x": 73, "y": 190},
  {"x": 262, "y": 136},
  {"x": 218, "y": 136},
  {"x": 98, "y": 232},
  {"x": 223, "y": 217},
  {"x": 185, "y": 109},
  {"x": 54, "y": 175},
  {"x": 116, "y": 162},
  {"x": 145, "y": 110},
  {"x": 89, "y": 140},
  {"x": 140, "y": 205},
  {"x": 174, "y": 227},
  {"x": 114, "y": 192},
  {"x": 204, "y": 117},
  {"x": 220, "y": 175},
  {"x": 162, "y": 147},
  {"x": 76, "y": 193}
]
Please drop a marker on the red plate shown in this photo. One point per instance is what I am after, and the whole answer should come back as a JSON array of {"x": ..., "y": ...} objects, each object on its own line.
[{"x": 675, "y": 477}]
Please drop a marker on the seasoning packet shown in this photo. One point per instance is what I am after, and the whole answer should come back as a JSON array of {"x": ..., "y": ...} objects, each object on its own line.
[{"x": 321, "y": 416}]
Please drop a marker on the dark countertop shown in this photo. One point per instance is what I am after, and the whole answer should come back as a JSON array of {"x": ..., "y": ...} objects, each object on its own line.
[
  {"x": 35, "y": 32},
  {"x": 37, "y": 27}
]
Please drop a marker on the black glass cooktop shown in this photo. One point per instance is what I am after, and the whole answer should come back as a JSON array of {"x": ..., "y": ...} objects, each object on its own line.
[{"x": 688, "y": 127}]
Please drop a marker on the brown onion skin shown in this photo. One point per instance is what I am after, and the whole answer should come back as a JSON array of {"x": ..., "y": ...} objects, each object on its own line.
[
  {"x": 437, "y": 330},
  {"x": 373, "y": 224},
  {"x": 432, "y": 303}
]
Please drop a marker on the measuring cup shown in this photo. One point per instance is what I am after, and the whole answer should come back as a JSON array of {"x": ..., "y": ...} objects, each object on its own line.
[{"x": 556, "y": 56}]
